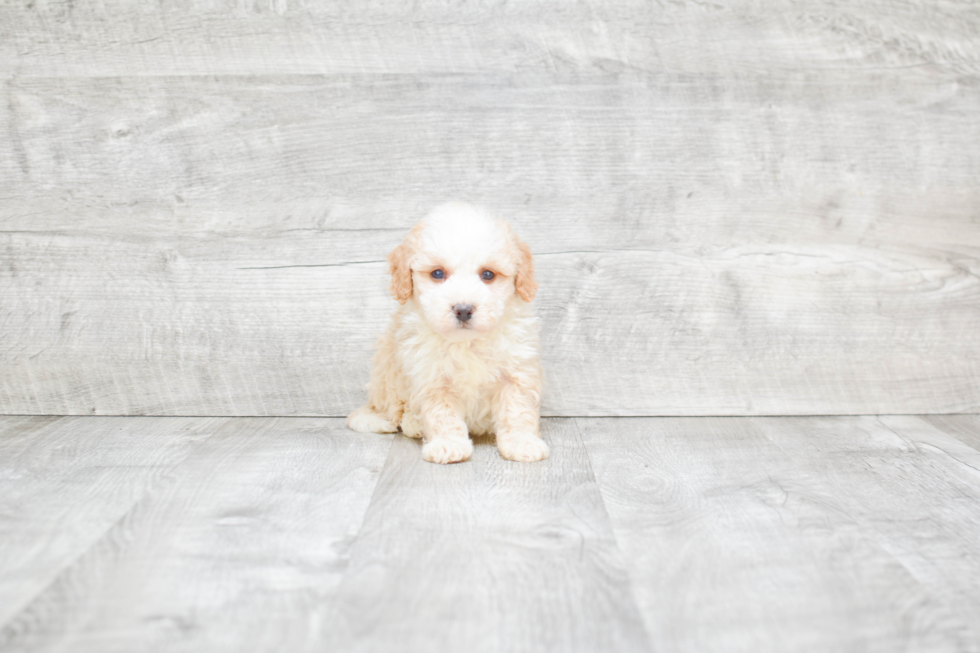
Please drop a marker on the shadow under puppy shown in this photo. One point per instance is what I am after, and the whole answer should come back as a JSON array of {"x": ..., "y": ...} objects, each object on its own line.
[{"x": 461, "y": 353}]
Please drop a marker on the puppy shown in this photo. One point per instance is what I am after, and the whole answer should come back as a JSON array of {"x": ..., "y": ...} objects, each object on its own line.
[{"x": 461, "y": 353}]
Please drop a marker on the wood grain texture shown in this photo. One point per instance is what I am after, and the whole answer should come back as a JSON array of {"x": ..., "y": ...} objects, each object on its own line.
[
  {"x": 941, "y": 503},
  {"x": 184, "y": 327},
  {"x": 632, "y": 158},
  {"x": 737, "y": 208},
  {"x": 65, "y": 482},
  {"x": 638, "y": 534},
  {"x": 963, "y": 427},
  {"x": 114, "y": 38},
  {"x": 235, "y": 551},
  {"x": 487, "y": 555},
  {"x": 783, "y": 534},
  {"x": 233, "y": 264}
]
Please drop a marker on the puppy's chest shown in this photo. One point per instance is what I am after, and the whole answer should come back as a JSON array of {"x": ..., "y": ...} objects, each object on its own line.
[
  {"x": 464, "y": 367},
  {"x": 472, "y": 369}
]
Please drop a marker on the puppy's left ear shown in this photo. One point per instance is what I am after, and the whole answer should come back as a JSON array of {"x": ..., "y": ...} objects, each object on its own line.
[{"x": 525, "y": 283}]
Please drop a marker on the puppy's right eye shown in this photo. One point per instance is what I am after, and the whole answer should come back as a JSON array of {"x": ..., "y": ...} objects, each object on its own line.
[{"x": 438, "y": 274}]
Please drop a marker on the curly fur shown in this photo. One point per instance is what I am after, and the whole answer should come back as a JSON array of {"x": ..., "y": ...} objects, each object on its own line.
[{"x": 439, "y": 378}]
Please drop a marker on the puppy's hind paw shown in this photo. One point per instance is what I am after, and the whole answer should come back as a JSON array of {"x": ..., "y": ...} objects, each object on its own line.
[
  {"x": 445, "y": 451},
  {"x": 527, "y": 448},
  {"x": 366, "y": 420}
]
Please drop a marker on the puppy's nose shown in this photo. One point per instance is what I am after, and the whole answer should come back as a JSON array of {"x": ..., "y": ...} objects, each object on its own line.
[{"x": 463, "y": 312}]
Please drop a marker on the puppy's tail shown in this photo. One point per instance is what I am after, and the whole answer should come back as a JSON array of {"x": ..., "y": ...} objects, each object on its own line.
[{"x": 366, "y": 420}]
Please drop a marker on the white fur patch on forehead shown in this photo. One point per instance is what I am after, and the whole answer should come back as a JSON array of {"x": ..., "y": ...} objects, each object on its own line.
[{"x": 463, "y": 236}]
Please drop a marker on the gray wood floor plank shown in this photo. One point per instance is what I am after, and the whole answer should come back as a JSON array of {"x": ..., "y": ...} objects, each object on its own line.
[
  {"x": 738, "y": 37},
  {"x": 65, "y": 482},
  {"x": 247, "y": 536},
  {"x": 789, "y": 534},
  {"x": 964, "y": 427},
  {"x": 631, "y": 160},
  {"x": 194, "y": 331},
  {"x": 487, "y": 555},
  {"x": 681, "y": 534},
  {"x": 928, "y": 517},
  {"x": 17, "y": 431}
]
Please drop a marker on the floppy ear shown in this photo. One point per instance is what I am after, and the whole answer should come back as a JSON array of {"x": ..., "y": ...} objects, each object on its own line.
[
  {"x": 525, "y": 283},
  {"x": 400, "y": 266}
]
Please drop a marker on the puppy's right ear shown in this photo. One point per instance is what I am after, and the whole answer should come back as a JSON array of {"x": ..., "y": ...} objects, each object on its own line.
[
  {"x": 400, "y": 266},
  {"x": 525, "y": 283}
]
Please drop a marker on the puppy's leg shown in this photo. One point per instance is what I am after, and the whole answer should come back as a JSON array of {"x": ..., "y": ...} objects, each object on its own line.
[
  {"x": 447, "y": 440},
  {"x": 366, "y": 420},
  {"x": 383, "y": 413},
  {"x": 412, "y": 424},
  {"x": 516, "y": 418}
]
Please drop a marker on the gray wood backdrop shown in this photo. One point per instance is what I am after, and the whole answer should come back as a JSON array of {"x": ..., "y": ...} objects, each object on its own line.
[{"x": 738, "y": 207}]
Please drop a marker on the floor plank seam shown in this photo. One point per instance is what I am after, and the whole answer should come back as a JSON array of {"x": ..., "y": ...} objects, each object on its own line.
[
  {"x": 374, "y": 490},
  {"x": 612, "y": 532},
  {"x": 331, "y": 607}
]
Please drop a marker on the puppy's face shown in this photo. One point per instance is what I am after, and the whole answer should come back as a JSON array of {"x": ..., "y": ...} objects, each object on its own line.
[{"x": 462, "y": 267}]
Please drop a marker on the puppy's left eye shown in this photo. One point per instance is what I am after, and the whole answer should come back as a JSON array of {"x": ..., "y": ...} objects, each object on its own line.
[{"x": 487, "y": 275}]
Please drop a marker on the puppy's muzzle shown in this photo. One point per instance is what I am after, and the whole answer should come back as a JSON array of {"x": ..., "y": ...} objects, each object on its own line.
[{"x": 463, "y": 312}]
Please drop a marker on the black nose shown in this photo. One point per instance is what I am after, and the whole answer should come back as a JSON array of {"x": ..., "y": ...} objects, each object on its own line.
[{"x": 463, "y": 312}]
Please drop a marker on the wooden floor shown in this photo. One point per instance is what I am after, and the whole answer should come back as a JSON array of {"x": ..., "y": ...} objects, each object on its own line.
[{"x": 639, "y": 534}]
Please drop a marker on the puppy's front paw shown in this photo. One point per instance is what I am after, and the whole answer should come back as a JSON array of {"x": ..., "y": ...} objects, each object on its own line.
[
  {"x": 524, "y": 448},
  {"x": 445, "y": 451}
]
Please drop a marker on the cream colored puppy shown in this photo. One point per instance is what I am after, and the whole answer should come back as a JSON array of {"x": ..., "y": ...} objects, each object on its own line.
[{"x": 461, "y": 353}]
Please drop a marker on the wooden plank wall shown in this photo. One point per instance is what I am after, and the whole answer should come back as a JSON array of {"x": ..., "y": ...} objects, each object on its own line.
[{"x": 738, "y": 207}]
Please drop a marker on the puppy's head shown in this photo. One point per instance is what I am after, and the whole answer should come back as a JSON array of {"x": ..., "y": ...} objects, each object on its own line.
[{"x": 462, "y": 267}]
